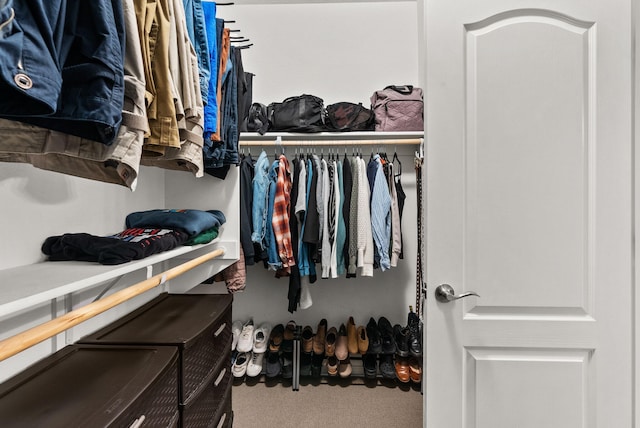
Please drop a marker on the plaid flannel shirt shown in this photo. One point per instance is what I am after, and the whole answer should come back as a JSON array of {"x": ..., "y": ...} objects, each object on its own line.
[{"x": 280, "y": 219}]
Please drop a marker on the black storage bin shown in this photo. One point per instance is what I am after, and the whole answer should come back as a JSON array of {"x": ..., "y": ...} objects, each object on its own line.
[
  {"x": 224, "y": 414},
  {"x": 94, "y": 386},
  {"x": 198, "y": 324},
  {"x": 212, "y": 404}
]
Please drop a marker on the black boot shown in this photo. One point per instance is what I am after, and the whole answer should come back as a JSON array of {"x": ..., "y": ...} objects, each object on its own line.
[
  {"x": 401, "y": 335},
  {"x": 415, "y": 336}
]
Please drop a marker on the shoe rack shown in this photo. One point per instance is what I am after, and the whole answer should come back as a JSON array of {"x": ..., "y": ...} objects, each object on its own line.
[{"x": 392, "y": 355}]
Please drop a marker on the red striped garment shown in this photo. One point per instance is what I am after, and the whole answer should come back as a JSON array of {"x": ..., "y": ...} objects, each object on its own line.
[{"x": 280, "y": 220}]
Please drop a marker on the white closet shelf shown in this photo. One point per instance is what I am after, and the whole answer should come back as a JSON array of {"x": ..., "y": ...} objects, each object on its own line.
[
  {"x": 23, "y": 287},
  {"x": 335, "y": 138}
]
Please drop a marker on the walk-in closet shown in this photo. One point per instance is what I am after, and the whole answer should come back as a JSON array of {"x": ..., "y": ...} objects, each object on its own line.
[{"x": 516, "y": 288}]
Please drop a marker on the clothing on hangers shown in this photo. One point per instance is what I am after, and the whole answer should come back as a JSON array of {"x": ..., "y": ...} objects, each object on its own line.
[{"x": 356, "y": 228}]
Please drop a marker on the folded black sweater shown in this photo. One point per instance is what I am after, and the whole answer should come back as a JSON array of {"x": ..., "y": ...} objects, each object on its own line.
[{"x": 130, "y": 244}]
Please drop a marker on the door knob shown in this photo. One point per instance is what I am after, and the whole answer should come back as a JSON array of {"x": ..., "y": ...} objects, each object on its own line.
[{"x": 445, "y": 293}]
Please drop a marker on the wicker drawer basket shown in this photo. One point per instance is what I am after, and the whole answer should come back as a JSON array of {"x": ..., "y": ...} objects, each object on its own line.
[
  {"x": 210, "y": 404},
  {"x": 199, "y": 325},
  {"x": 94, "y": 386}
]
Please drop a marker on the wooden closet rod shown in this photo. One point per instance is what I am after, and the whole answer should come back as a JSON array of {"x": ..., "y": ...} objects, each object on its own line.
[
  {"x": 307, "y": 143},
  {"x": 21, "y": 341}
]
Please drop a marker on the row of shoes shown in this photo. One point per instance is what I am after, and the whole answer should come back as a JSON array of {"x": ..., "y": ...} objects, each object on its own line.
[
  {"x": 258, "y": 339},
  {"x": 404, "y": 369},
  {"x": 264, "y": 349},
  {"x": 389, "y": 366},
  {"x": 273, "y": 364},
  {"x": 376, "y": 338}
]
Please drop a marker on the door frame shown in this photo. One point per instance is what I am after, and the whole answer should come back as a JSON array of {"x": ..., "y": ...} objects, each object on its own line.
[{"x": 635, "y": 23}]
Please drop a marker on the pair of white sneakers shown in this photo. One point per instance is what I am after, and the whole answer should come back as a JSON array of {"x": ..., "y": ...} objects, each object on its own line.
[
  {"x": 251, "y": 344},
  {"x": 248, "y": 338},
  {"x": 249, "y": 363}
]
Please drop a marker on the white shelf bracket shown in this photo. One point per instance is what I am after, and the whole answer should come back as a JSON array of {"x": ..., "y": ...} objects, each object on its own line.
[{"x": 110, "y": 286}]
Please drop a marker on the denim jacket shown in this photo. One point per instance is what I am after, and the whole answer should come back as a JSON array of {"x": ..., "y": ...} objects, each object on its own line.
[{"x": 260, "y": 200}]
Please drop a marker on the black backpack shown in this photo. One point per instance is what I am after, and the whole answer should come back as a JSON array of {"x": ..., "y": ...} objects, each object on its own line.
[{"x": 256, "y": 120}]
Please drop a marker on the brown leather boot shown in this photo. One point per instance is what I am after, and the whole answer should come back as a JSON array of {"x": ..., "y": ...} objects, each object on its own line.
[
  {"x": 352, "y": 336},
  {"x": 330, "y": 342},
  {"x": 363, "y": 340},
  {"x": 319, "y": 338},
  {"x": 342, "y": 346},
  {"x": 307, "y": 339}
]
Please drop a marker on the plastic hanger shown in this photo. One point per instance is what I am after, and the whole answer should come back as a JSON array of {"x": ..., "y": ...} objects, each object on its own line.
[
  {"x": 396, "y": 161},
  {"x": 278, "y": 145}
]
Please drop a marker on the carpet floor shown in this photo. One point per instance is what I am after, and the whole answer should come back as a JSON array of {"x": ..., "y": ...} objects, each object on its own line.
[{"x": 330, "y": 403}]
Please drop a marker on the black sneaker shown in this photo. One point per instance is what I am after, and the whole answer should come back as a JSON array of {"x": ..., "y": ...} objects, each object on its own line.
[
  {"x": 370, "y": 364},
  {"x": 305, "y": 364},
  {"x": 287, "y": 366},
  {"x": 316, "y": 365},
  {"x": 273, "y": 366},
  {"x": 375, "y": 343},
  {"x": 401, "y": 336},
  {"x": 415, "y": 337},
  {"x": 387, "y": 368},
  {"x": 386, "y": 334}
]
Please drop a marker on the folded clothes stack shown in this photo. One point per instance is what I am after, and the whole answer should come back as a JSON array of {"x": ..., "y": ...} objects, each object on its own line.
[{"x": 148, "y": 232}]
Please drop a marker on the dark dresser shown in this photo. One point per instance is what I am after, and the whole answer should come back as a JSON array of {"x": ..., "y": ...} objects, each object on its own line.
[{"x": 198, "y": 327}]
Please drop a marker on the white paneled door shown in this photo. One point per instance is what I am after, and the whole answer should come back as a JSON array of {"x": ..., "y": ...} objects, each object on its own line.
[{"x": 529, "y": 204}]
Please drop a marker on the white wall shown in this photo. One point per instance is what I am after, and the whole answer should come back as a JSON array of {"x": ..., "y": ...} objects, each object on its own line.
[
  {"x": 37, "y": 204},
  {"x": 339, "y": 52}
]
